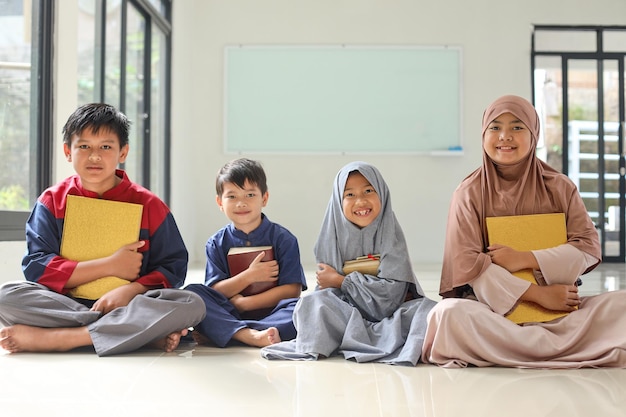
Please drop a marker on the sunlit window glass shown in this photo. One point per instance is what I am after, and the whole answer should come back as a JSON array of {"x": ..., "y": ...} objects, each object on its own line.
[
  {"x": 15, "y": 104},
  {"x": 124, "y": 60}
]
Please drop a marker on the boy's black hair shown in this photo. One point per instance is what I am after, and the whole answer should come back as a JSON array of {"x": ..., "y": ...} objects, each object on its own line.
[
  {"x": 238, "y": 171},
  {"x": 96, "y": 116}
]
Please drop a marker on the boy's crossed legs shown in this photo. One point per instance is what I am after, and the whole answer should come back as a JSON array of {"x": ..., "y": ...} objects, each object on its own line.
[
  {"x": 24, "y": 338},
  {"x": 40, "y": 320}
]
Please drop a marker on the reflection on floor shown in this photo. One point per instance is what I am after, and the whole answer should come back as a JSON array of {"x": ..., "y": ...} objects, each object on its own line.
[{"x": 237, "y": 382}]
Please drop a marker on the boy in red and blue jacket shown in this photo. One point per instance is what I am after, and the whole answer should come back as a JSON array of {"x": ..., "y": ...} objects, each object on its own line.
[{"x": 40, "y": 315}]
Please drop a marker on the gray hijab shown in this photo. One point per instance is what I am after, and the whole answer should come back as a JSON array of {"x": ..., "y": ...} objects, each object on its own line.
[{"x": 340, "y": 240}]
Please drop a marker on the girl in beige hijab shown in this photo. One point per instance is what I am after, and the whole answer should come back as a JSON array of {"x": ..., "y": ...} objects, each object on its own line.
[{"x": 469, "y": 327}]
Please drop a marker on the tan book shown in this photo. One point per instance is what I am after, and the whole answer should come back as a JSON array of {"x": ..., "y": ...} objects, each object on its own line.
[
  {"x": 367, "y": 264},
  {"x": 95, "y": 228},
  {"x": 525, "y": 233},
  {"x": 240, "y": 258}
]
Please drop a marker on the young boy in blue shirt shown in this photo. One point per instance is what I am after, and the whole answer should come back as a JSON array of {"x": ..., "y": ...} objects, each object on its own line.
[
  {"x": 264, "y": 318},
  {"x": 42, "y": 315}
]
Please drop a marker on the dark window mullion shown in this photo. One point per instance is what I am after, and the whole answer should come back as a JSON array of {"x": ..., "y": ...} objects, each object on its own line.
[
  {"x": 622, "y": 169},
  {"x": 600, "y": 151},
  {"x": 100, "y": 36},
  {"x": 147, "y": 102},
  {"x": 42, "y": 96},
  {"x": 123, "y": 48},
  {"x": 167, "y": 125}
]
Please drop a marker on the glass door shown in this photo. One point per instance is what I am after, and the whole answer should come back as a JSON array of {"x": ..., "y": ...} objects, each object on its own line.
[{"x": 581, "y": 101}]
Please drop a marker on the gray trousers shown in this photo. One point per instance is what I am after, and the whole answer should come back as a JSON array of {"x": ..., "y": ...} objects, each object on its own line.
[{"x": 147, "y": 318}]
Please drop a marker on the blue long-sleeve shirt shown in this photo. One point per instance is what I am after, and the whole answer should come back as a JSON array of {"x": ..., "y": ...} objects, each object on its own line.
[
  {"x": 284, "y": 243},
  {"x": 165, "y": 256}
]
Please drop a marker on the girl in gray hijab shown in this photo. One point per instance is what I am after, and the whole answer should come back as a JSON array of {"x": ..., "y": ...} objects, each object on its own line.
[{"x": 373, "y": 316}]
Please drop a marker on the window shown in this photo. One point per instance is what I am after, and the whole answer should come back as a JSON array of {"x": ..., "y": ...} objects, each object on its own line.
[
  {"x": 124, "y": 60},
  {"x": 25, "y": 109},
  {"x": 124, "y": 49}
]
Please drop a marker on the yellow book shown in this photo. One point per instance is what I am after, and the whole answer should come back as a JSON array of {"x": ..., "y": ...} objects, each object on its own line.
[
  {"x": 524, "y": 233},
  {"x": 367, "y": 264},
  {"x": 94, "y": 228}
]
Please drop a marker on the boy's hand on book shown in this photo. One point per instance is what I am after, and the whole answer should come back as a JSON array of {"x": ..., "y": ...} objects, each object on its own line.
[
  {"x": 260, "y": 271},
  {"x": 328, "y": 277},
  {"x": 126, "y": 261},
  {"x": 118, "y": 297}
]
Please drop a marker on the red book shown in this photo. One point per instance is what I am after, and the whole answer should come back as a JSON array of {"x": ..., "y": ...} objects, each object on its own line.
[{"x": 240, "y": 258}]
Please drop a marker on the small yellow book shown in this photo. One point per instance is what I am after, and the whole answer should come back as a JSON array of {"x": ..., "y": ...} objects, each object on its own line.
[
  {"x": 524, "y": 233},
  {"x": 367, "y": 264},
  {"x": 94, "y": 228}
]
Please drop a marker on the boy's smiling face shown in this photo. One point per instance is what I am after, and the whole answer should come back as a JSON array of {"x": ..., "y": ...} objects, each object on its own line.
[
  {"x": 95, "y": 157},
  {"x": 243, "y": 206},
  {"x": 361, "y": 203}
]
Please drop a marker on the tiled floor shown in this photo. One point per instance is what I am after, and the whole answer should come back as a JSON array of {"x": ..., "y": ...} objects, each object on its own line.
[{"x": 236, "y": 381}]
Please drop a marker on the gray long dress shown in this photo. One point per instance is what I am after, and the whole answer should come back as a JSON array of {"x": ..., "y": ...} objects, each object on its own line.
[{"x": 367, "y": 319}]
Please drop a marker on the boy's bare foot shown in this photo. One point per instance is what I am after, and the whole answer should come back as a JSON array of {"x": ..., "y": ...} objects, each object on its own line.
[
  {"x": 201, "y": 339},
  {"x": 170, "y": 342},
  {"x": 272, "y": 335},
  {"x": 23, "y": 338},
  {"x": 258, "y": 338}
]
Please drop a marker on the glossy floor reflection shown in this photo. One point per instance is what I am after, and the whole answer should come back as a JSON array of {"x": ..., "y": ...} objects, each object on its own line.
[{"x": 236, "y": 381}]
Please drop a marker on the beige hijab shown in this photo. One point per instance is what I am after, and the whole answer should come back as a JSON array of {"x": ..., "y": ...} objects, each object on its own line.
[{"x": 528, "y": 187}]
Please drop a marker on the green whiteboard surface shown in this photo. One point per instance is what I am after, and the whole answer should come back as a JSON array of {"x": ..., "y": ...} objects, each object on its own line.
[{"x": 342, "y": 99}]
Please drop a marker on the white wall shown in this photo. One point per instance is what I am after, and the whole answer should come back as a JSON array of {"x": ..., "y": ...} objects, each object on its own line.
[
  {"x": 11, "y": 261},
  {"x": 494, "y": 35}
]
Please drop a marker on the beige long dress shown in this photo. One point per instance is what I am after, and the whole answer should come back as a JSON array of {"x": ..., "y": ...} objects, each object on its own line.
[{"x": 463, "y": 332}]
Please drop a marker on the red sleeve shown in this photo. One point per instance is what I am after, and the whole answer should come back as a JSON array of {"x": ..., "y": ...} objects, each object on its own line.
[{"x": 57, "y": 273}]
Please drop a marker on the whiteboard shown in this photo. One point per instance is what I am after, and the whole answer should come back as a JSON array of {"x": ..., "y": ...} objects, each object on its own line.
[{"x": 342, "y": 99}]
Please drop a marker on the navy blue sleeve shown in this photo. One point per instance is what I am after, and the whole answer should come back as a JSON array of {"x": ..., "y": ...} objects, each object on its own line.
[{"x": 287, "y": 253}]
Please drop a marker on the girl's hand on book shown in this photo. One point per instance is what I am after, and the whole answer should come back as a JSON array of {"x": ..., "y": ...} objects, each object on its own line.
[
  {"x": 511, "y": 259},
  {"x": 556, "y": 297},
  {"x": 328, "y": 277}
]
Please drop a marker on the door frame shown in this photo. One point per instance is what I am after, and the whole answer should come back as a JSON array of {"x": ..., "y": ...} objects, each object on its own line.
[{"x": 599, "y": 56}]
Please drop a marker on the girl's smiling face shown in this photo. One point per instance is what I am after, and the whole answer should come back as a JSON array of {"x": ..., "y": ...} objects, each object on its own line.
[
  {"x": 360, "y": 203},
  {"x": 507, "y": 140}
]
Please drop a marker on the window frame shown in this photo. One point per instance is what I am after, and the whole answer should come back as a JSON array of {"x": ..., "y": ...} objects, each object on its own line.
[
  {"x": 162, "y": 19},
  {"x": 42, "y": 104},
  {"x": 41, "y": 117}
]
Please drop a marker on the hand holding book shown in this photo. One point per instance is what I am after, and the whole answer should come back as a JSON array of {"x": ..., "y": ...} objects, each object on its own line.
[
  {"x": 258, "y": 257},
  {"x": 367, "y": 264},
  {"x": 126, "y": 261},
  {"x": 511, "y": 259}
]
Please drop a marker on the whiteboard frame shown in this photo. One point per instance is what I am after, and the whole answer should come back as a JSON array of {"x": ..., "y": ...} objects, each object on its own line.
[{"x": 455, "y": 148}]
